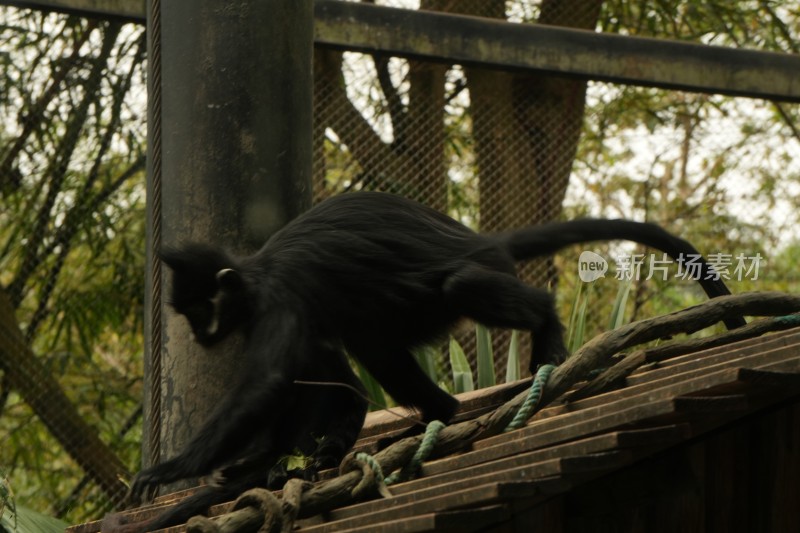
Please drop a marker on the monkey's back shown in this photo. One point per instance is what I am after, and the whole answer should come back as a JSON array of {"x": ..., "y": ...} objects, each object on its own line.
[{"x": 376, "y": 261}]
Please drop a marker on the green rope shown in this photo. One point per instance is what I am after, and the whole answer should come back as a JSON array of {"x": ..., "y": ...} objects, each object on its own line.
[
  {"x": 422, "y": 453},
  {"x": 534, "y": 395},
  {"x": 789, "y": 320},
  {"x": 373, "y": 464}
]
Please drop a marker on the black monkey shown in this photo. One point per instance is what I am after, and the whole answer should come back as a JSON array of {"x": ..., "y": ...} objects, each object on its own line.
[{"x": 373, "y": 274}]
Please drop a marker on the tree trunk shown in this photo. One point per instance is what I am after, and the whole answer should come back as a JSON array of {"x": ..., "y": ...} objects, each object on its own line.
[
  {"x": 427, "y": 180},
  {"x": 413, "y": 163},
  {"x": 526, "y": 127}
]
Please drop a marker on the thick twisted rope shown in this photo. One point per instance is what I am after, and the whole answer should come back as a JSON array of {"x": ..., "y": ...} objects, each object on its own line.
[{"x": 534, "y": 396}]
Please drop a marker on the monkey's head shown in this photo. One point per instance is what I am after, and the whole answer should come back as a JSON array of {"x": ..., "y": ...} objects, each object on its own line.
[{"x": 208, "y": 290}]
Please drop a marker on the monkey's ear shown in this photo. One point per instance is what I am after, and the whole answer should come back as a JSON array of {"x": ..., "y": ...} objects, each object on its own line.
[
  {"x": 229, "y": 279},
  {"x": 173, "y": 257}
]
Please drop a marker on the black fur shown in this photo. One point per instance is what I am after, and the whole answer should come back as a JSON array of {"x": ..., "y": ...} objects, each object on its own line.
[{"x": 371, "y": 273}]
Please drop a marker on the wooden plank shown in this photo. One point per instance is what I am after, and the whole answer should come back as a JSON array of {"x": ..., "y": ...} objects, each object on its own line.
[
  {"x": 765, "y": 342},
  {"x": 666, "y": 356},
  {"x": 531, "y": 466},
  {"x": 462, "y": 521},
  {"x": 544, "y": 476},
  {"x": 553, "y": 468},
  {"x": 598, "y": 453},
  {"x": 700, "y": 360},
  {"x": 596, "y": 444},
  {"x": 492, "y": 493},
  {"x": 569, "y": 426},
  {"x": 661, "y": 385},
  {"x": 443, "y": 497},
  {"x": 471, "y": 404},
  {"x": 768, "y": 375},
  {"x": 772, "y": 376},
  {"x": 568, "y": 422},
  {"x": 547, "y": 470},
  {"x": 507, "y": 454},
  {"x": 693, "y": 405},
  {"x": 595, "y": 454},
  {"x": 711, "y": 404}
]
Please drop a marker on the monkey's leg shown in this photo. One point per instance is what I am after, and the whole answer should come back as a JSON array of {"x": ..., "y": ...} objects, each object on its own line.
[
  {"x": 500, "y": 300},
  {"x": 398, "y": 372},
  {"x": 331, "y": 410},
  {"x": 349, "y": 407}
]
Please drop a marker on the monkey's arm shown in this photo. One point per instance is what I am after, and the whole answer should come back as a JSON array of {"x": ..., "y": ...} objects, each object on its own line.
[{"x": 275, "y": 350}]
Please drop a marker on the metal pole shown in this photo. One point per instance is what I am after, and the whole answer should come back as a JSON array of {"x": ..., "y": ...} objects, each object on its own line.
[{"x": 231, "y": 161}]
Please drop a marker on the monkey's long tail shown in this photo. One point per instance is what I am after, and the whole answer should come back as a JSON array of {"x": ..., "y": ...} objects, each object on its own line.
[{"x": 546, "y": 239}]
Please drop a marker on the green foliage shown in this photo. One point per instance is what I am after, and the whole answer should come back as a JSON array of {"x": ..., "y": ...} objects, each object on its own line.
[
  {"x": 485, "y": 357},
  {"x": 25, "y": 520},
  {"x": 7, "y": 502},
  {"x": 512, "y": 366},
  {"x": 19, "y": 519},
  {"x": 375, "y": 394},
  {"x": 618, "y": 311},
  {"x": 576, "y": 327},
  {"x": 295, "y": 461},
  {"x": 462, "y": 373},
  {"x": 428, "y": 358},
  {"x": 72, "y": 240},
  {"x": 462, "y": 378}
]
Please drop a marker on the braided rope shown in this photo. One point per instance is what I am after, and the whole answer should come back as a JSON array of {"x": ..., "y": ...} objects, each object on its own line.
[
  {"x": 534, "y": 395},
  {"x": 422, "y": 453},
  {"x": 373, "y": 464},
  {"x": 789, "y": 320},
  {"x": 154, "y": 372}
]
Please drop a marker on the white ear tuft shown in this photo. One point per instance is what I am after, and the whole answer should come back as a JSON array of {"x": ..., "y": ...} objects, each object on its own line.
[
  {"x": 224, "y": 272},
  {"x": 229, "y": 279}
]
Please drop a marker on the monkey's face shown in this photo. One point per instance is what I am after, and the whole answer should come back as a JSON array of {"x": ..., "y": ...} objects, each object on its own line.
[
  {"x": 201, "y": 316},
  {"x": 209, "y": 294},
  {"x": 213, "y": 307}
]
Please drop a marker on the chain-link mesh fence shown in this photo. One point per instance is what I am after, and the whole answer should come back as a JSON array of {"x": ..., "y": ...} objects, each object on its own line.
[
  {"x": 505, "y": 149},
  {"x": 73, "y": 107},
  {"x": 495, "y": 149}
]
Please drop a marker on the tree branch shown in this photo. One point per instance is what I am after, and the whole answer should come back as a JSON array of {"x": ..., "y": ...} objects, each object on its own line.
[
  {"x": 365, "y": 145},
  {"x": 44, "y": 395},
  {"x": 84, "y": 205},
  {"x": 35, "y": 115},
  {"x": 596, "y": 353},
  {"x": 58, "y": 169}
]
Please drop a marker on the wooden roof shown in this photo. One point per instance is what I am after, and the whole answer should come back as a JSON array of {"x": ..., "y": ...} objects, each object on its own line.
[{"x": 566, "y": 445}]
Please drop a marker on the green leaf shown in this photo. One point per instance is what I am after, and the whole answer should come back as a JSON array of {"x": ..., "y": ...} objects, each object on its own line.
[
  {"x": 462, "y": 373},
  {"x": 573, "y": 316},
  {"x": 577, "y": 327},
  {"x": 28, "y": 521},
  {"x": 426, "y": 357},
  {"x": 512, "y": 367},
  {"x": 486, "y": 376},
  {"x": 374, "y": 391},
  {"x": 618, "y": 312},
  {"x": 295, "y": 460}
]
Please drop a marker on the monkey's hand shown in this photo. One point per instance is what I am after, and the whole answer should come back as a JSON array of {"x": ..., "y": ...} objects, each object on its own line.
[
  {"x": 146, "y": 481},
  {"x": 144, "y": 486}
]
